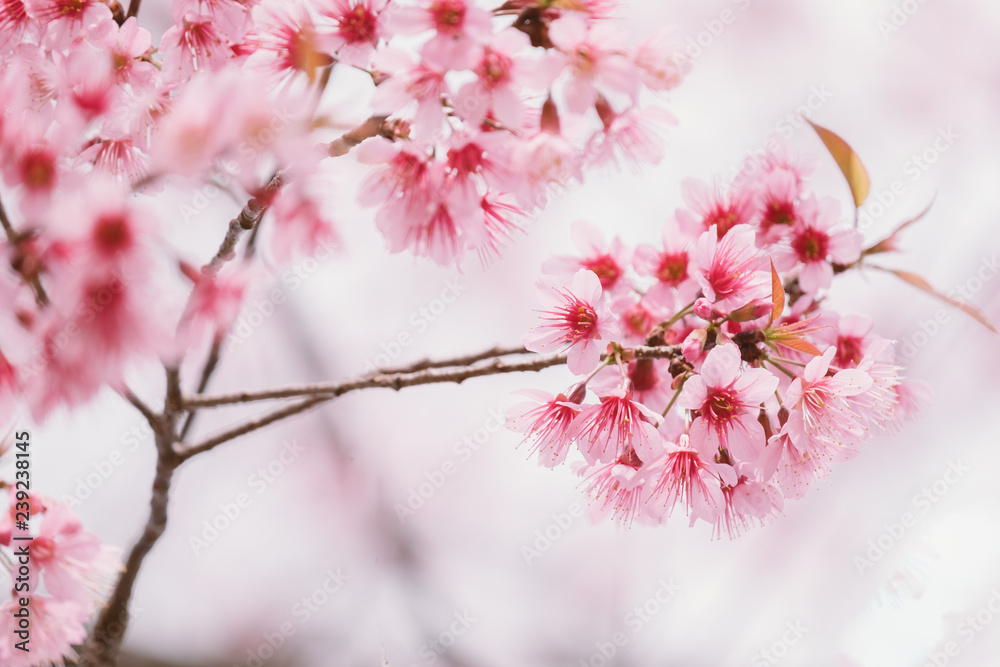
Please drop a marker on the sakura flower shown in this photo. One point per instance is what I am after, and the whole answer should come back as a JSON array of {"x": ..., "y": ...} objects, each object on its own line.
[
  {"x": 545, "y": 420},
  {"x": 285, "y": 41},
  {"x": 683, "y": 476},
  {"x": 499, "y": 219},
  {"x": 708, "y": 208},
  {"x": 118, "y": 157},
  {"x": 596, "y": 57},
  {"x": 607, "y": 261},
  {"x": 669, "y": 266},
  {"x": 820, "y": 402},
  {"x": 126, "y": 45},
  {"x": 412, "y": 89},
  {"x": 731, "y": 270},
  {"x": 66, "y": 20},
  {"x": 746, "y": 503},
  {"x": 230, "y": 17},
  {"x": 631, "y": 137},
  {"x": 575, "y": 318},
  {"x": 213, "y": 305},
  {"x": 777, "y": 201},
  {"x": 817, "y": 246},
  {"x": 15, "y": 23},
  {"x": 545, "y": 161},
  {"x": 608, "y": 430},
  {"x": 56, "y": 626},
  {"x": 794, "y": 460},
  {"x": 617, "y": 488},
  {"x": 193, "y": 43},
  {"x": 359, "y": 25},
  {"x": 459, "y": 27},
  {"x": 662, "y": 62},
  {"x": 74, "y": 564},
  {"x": 727, "y": 402},
  {"x": 499, "y": 77}
]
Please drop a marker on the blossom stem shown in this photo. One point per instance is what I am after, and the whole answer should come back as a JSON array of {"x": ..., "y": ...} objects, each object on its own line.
[
  {"x": 133, "y": 8},
  {"x": 686, "y": 310},
  {"x": 33, "y": 280},
  {"x": 405, "y": 377},
  {"x": 781, "y": 368},
  {"x": 675, "y": 396},
  {"x": 373, "y": 127}
]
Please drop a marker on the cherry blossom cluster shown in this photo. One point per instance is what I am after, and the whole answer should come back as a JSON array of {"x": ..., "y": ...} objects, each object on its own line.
[
  {"x": 756, "y": 387},
  {"x": 59, "y": 576},
  {"x": 476, "y": 114}
]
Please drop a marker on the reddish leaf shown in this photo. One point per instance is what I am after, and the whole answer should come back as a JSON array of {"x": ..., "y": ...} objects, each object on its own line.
[
  {"x": 848, "y": 161},
  {"x": 801, "y": 346},
  {"x": 777, "y": 295},
  {"x": 920, "y": 283}
]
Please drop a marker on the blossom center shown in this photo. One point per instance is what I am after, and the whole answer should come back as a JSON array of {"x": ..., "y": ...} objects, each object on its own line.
[
  {"x": 811, "y": 245},
  {"x": 606, "y": 268},
  {"x": 673, "y": 268}
]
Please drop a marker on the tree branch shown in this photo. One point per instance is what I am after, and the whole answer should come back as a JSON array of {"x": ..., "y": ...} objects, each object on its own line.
[
  {"x": 246, "y": 219},
  {"x": 104, "y": 643},
  {"x": 373, "y": 127},
  {"x": 133, "y": 8},
  {"x": 327, "y": 391},
  {"x": 31, "y": 278}
]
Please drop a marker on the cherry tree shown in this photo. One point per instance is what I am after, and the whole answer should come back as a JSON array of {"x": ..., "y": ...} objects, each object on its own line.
[{"x": 711, "y": 377}]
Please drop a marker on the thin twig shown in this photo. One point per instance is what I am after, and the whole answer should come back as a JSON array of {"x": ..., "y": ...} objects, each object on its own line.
[
  {"x": 454, "y": 361},
  {"x": 14, "y": 238},
  {"x": 373, "y": 127},
  {"x": 247, "y": 218},
  {"x": 137, "y": 402},
  {"x": 206, "y": 374},
  {"x": 184, "y": 453},
  {"x": 133, "y": 8},
  {"x": 443, "y": 372}
]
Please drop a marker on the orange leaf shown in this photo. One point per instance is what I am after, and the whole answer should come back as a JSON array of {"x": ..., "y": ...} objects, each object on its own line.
[
  {"x": 920, "y": 283},
  {"x": 848, "y": 161},
  {"x": 777, "y": 295},
  {"x": 801, "y": 346}
]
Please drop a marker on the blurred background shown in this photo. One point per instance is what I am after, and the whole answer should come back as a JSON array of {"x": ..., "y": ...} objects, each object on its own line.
[{"x": 497, "y": 566}]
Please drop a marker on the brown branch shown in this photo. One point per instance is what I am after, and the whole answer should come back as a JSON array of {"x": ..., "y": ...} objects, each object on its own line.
[
  {"x": 454, "y": 361},
  {"x": 31, "y": 278},
  {"x": 133, "y": 8},
  {"x": 323, "y": 392},
  {"x": 104, "y": 643},
  {"x": 373, "y": 127},
  {"x": 247, "y": 218},
  {"x": 184, "y": 453},
  {"x": 139, "y": 405},
  {"x": 206, "y": 374},
  {"x": 444, "y": 371}
]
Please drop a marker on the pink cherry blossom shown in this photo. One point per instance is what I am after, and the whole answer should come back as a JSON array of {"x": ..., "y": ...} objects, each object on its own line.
[
  {"x": 500, "y": 76},
  {"x": 710, "y": 207},
  {"x": 727, "y": 402},
  {"x": 74, "y": 564},
  {"x": 617, "y": 488},
  {"x": 56, "y": 626},
  {"x": 359, "y": 25},
  {"x": 683, "y": 476},
  {"x": 817, "y": 246},
  {"x": 574, "y": 318},
  {"x": 731, "y": 270},
  {"x": 820, "y": 402},
  {"x": 607, "y": 261},
  {"x": 668, "y": 266},
  {"x": 459, "y": 28},
  {"x": 595, "y": 53},
  {"x": 608, "y": 430},
  {"x": 545, "y": 420}
]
